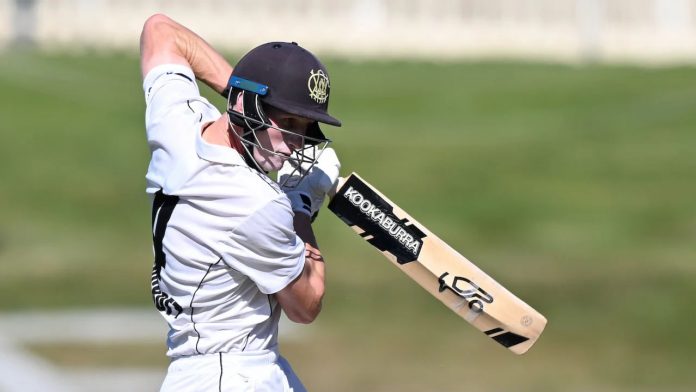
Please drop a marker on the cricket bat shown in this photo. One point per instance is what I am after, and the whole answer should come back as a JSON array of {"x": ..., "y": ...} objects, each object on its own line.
[{"x": 438, "y": 268}]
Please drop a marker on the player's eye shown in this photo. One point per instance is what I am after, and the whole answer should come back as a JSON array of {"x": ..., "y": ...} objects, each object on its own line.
[
  {"x": 298, "y": 126},
  {"x": 283, "y": 122},
  {"x": 293, "y": 125}
]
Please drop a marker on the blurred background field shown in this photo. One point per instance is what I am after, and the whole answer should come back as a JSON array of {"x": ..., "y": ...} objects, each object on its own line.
[{"x": 572, "y": 184}]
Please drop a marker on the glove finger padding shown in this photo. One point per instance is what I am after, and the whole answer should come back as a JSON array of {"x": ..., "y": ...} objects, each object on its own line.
[
  {"x": 326, "y": 169},
  {"x": 307, "y": 194},
  {"x": 290, "y": 173}
]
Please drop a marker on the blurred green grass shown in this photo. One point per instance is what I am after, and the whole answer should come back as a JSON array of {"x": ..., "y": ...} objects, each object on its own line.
[{"x": 573, "y": 186}]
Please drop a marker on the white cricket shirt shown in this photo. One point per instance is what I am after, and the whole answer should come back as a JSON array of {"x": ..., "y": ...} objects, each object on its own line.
[{"x": 223, "y": 233}]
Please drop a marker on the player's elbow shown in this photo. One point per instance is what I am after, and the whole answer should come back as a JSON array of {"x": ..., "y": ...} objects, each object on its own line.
[
  {"x": 155, "y": 28},
  {"x": 153, "y": 22},
  {"x": 306, "y": 310},
  {"x": 159, "y": 42},
  {"x": 306, "y": 315},
  {"x": 302, "y": 299},
  {"x": 156, "y": 20}
]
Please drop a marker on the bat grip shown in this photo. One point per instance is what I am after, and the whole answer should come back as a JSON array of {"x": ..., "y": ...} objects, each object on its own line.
[{"x": 339, "y": 183}]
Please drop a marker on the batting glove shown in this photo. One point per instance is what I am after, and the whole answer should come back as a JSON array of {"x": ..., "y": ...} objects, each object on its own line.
[{"x": 307, "y": 194}]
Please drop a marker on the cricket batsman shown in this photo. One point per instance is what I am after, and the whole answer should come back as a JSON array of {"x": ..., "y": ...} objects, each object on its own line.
[{"x": 233, "y": 248}]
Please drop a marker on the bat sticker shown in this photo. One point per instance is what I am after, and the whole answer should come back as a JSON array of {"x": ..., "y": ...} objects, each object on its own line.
[
  {"x": 506, "y": 338},
  {"x": 466, "y": 289},
  {"x": 358, "y": 205}
]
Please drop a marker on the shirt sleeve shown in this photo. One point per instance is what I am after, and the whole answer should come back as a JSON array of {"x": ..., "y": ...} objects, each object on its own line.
[
  {"x": 167, "y": 86},
  {"x": 174, "y": 114},
  {"x": 266, "y": 248}
]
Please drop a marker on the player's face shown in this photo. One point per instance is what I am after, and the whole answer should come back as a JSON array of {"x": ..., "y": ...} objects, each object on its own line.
[{"x": 280, "y": 143}]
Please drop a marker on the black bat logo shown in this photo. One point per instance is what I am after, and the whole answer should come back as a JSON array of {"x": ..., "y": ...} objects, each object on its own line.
[{"x": 467, "y": 291}]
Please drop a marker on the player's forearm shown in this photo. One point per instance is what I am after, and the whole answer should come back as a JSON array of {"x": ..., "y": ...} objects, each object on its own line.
[
  {"x": 303, "y": 228},
  {"x": 315, "y": 271},
  {"x": 314, "y": 261},
  {"x": 207, "y": 64},
  {"x": 165, "y": 40},
  {"x": 301, "y": 300},
  {"x": 308, "y": 290}
]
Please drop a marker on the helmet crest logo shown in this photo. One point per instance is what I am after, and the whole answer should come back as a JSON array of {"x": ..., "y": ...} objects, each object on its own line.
[{"x": 318, "y": 84}]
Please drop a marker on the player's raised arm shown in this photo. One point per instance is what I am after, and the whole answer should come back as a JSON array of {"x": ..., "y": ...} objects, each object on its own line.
[{"x": 164, "y": 41}]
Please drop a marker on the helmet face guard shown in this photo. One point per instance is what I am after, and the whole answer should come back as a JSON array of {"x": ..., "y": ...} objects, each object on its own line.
[{"x": 254, "y": 119}]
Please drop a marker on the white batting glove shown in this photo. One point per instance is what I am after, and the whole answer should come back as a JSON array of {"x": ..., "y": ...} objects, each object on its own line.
[{"x": 307, "y": 194}]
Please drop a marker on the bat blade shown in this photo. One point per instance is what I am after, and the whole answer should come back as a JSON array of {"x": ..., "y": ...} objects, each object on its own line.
[{"x": 437, "y": 267}]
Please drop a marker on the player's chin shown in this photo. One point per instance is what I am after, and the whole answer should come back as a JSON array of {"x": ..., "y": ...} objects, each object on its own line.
[{"x": 273, "y": 163}]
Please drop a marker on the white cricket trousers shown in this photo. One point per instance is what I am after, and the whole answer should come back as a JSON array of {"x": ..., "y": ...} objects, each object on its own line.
[{"x": 232, "y": 372}]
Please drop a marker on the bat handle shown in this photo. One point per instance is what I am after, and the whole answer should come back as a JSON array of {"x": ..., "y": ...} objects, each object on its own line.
[{"x": 337, "y": 185}]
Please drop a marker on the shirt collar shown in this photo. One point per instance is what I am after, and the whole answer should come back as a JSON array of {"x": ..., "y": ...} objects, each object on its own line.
[{"x": 217, "y": 153}]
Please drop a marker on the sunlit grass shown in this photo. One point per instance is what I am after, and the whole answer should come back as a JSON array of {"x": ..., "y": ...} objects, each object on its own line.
[{"x": 572, "y": 186}]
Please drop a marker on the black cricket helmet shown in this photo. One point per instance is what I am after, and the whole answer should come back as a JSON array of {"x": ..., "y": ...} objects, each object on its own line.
[{"x": 285, "y": 76}]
